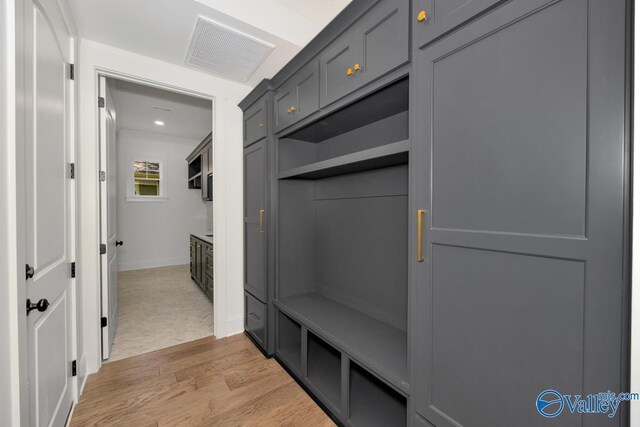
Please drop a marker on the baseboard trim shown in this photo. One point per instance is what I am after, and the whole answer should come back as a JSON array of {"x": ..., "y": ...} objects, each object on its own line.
[{"x": 153, "y": 263}]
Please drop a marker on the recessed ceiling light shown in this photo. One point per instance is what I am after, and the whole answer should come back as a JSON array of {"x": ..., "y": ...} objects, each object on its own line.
[{"x": 159, "y": 122}]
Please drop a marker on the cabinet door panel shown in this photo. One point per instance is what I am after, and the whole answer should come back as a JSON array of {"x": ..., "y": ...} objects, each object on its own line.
[
  {"x": 444, "y": 15},
  {"x": 284, "y": 99},
  {"x": 515, "y": 152},
  {"x": 255, "y": 123},
  {"x": 384, "y": 36},
  {"x": 255, "y": 169},
  {"x": 255, "y": 320},
  {"x": 334, "y": 62}
]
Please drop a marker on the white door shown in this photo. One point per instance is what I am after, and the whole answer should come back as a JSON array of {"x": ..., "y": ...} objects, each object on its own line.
[
  {"x": 108, "y": 260},
  {"x": 48, "y": 212}
]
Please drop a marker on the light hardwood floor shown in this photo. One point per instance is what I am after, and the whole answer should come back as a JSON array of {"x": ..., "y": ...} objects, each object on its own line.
[{"x": 207, "y": 382}]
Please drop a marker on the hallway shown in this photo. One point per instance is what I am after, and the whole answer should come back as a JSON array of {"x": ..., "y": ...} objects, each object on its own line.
[
  {"x": 159, "y": 308},
  {"x": 225, "y": 382}
]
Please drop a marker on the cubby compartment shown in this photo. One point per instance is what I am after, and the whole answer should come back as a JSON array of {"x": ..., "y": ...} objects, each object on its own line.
[
  {"x": 368, "y": 134},
  {"x": 343, "y": 263},
  {"x": 373, "y": 403},
  {"x": 289, "y": 341},
  {"x": 324, "y": 369}
]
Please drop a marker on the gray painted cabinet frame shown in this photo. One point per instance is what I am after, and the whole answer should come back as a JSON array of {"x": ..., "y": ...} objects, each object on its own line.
[{"x": 519, "y": 156}]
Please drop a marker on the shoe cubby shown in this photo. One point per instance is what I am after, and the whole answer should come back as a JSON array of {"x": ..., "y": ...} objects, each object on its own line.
[
  {"x": 289, "y": 341},
  {"x": 324, "y": 369},
  {"x": 372, "y": 403}
]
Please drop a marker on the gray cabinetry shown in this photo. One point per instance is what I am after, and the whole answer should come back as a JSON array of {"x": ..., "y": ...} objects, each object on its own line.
[
  {"x": 522, "y": 180},
  {"x": 297, "y": 98},
  {"x": 255, "y": 215},
  {"x": 434, "y": 18},
  {"x": 255, "y": 123},
  {"x": 201, "y": 264},
  {"x": 375, "y": 45},
  {"x": 200, "y": 167}
]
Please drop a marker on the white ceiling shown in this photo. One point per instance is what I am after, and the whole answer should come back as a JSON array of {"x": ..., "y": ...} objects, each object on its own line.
[
  {"x": 188, "y": 117},
  {"x": 162, "y": 29}
]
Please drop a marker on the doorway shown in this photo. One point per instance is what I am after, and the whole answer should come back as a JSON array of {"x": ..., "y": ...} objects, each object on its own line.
[{"x": 149, "y": 209}]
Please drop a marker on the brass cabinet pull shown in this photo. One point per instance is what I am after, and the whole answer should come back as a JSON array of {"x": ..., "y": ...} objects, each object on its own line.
[
  {"x": 420, "y": 254},
  {"x": 293, "y": 109},
  {"x": 349, "y": 71},
  {"x": 262, "y": 220},
  {"x": 422, "y": 16},
  {"x": 356, "y": 67},
  {"x": 261, "y": 125}
]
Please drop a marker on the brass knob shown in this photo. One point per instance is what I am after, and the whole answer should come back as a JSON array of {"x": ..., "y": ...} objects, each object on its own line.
[
  {"x": 356, "y": 67},
  {"x": 261, "y": 125},
  {"x": 293, "y": 109},
  {"x": 349, "y": 71},
  {"x": 422, "y": 16}
]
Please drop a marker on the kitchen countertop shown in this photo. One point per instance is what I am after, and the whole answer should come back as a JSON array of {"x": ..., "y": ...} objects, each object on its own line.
[{"x": 203, "y": 237}]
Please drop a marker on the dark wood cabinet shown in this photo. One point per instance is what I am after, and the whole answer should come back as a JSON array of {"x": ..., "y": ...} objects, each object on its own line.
[
  {"x": 255, "y": 123},
  {"x": 201, "y": 264}
]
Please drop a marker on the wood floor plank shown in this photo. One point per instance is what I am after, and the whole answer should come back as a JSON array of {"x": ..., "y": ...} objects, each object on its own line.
[{"x": 207, "y": 382}]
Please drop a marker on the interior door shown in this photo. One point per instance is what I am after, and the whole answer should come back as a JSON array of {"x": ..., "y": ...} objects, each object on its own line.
[
  {"x": 108, "y": 185},
  {"x": 255, "y": 245},
  {"x": 521, "y": 171},
  {"x": 49, "y": 213}
]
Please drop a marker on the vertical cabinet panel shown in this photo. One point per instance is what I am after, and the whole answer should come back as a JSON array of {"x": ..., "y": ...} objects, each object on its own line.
[
  {"x": 255, "y": 220},
  {"x": 433, "y": 18},
  {"x": 508, "y": 172},
  {"x": 297, "y": 98},
  {"x": 377, "y": 44}
]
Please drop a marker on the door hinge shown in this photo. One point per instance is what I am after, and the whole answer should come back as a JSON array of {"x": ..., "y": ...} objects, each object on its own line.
[
  {"x": 73, "y": 270},
  {"x": 103, "y": 249},
  {"x": 103, "y": 322},
  {"x": 30, "y": 272},
  {"x": 74, "y": 368},
  {"x": 72, "y": 72},
  {"x": 102, "y": 176},
  {"x": 101, "y": 102},
  {"x": 72, "y": 170}
]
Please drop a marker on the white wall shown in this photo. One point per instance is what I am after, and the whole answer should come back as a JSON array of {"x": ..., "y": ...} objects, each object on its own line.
[
  {"x": 156, "y": 234},
  {"x": 227, "y": 137}
]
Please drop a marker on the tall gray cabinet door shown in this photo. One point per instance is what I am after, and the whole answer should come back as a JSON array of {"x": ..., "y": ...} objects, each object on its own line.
[
  {"x": 520, "y": 168},
  {"x": 255, "y": 244}
]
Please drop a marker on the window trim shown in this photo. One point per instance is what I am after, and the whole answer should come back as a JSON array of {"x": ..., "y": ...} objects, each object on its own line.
[{"x": 130, "y": 171}]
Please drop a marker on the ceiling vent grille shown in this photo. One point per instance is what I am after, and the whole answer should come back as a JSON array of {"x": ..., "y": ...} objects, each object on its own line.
[{"x": 226, "y": 51}]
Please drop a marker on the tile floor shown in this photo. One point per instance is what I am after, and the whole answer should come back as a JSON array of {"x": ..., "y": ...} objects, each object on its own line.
[{"x": 159, "y": 308}]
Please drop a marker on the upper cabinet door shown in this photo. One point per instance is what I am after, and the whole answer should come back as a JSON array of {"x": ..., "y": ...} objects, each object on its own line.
[
  {"x": 375, "y": 45},
  {"x": 432, "y": 18},
  {"x": 255, "y": 123},
  {"x": 298, "y": 97}
]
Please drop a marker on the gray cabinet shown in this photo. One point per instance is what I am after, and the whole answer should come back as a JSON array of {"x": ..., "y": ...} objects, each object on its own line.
[
  {"x": 255, "y": 123},
  {"x": 522, "y": 182},
  {"x": 255, "y": 216},
  {"x": 200, "y": 167},
  {"x": 255, "y": 319},
  {"x": 297, "y": 98},
  {"x": 201, "y": 264},
  {"x": 434, "y": 18},
  {"x": 375, "y": 45}
]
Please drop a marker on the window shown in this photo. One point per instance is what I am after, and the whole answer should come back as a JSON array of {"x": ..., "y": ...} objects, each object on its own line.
[{"x": 148, "y": 181}]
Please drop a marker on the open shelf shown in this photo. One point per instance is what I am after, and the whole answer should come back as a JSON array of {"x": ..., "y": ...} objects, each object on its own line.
[
  {"x": 324, "y": 368},
  {"x": 386, "y": 155},
  {"x": 289, "y": 341},
  {"x": 377, "y": 345},
  {"x": 373, "y": 403}
]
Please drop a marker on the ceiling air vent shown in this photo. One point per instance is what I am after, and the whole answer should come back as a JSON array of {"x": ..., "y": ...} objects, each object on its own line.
[{"x": 225, "y": 51}]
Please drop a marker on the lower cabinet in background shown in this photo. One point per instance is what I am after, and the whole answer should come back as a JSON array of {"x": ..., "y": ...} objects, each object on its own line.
[
  {"x": 255, "y": 319},
  {"x": 201, "y": 264}
]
